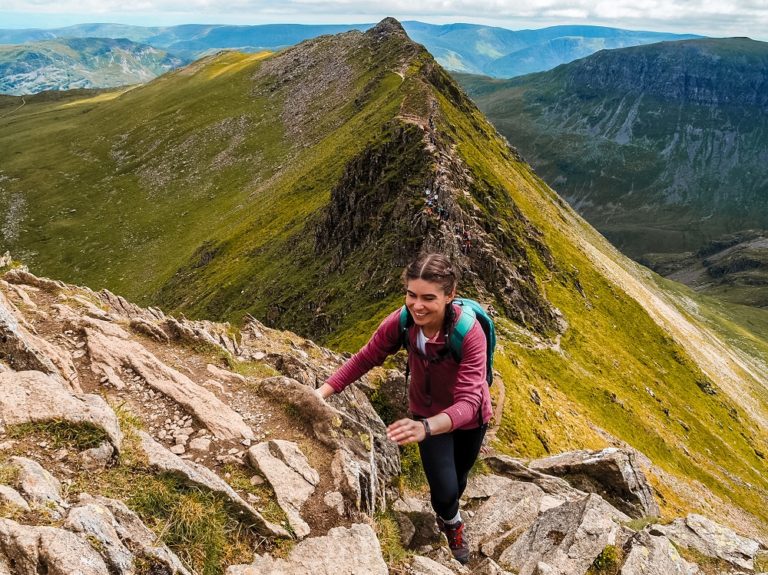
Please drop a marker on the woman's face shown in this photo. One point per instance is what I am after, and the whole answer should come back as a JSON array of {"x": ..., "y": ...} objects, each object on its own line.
[{"x": 426, "y": 301}]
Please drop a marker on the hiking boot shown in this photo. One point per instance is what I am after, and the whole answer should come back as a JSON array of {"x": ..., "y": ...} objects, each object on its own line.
[{"x": 457, "y": 540}]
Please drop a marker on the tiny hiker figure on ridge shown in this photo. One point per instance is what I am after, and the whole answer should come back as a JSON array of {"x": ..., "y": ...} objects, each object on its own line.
[{"x": 449, "y": 396}]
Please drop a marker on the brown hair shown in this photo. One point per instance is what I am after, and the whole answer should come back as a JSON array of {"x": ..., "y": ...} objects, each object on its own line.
[{"x": 435, "y": 268}]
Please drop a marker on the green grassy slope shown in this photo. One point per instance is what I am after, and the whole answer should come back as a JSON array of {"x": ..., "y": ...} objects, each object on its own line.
[{"x": 292, "y": 187}]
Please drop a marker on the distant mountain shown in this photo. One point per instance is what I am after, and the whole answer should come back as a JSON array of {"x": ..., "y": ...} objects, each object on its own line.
[
  {"x": 70, "y": 63},
  {"x": 460, "y": 47},
  {"x": 499, "y": 52},
  {"x": 663, "y": 148}
]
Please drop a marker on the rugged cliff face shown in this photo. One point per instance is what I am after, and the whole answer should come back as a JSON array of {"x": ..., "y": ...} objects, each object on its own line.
[{"x": 661, "y": 147}]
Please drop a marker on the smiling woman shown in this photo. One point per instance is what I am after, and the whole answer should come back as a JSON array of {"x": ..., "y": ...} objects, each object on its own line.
[{"x": 449, "y": 399}]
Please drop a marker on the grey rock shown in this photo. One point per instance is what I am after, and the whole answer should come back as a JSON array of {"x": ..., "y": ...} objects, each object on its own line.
[
  {"x": 613, "y": 473},
  {"x": 489, "y": 567},
  {"x": 135, "y": 535},
  {"x": 201, "y": 444},
  {"x": 287, "y": 470},
  {"x": 507, "y": 512},
  {"x": 32, "y": 396},
  {"x": 96, "y": 522},
  {"x": 97, "y": 457},
  {"x": 10, "y": 496},
  {"x": 334, "y": 500},
  {"x": 568, "y": 538},
  {"x": 160, "y": 459},
  {"x": 712, "y": 540},
  {"x": 39, "y": 487},
  {"x": 406, "y": 527},
  {"x": 34, "y": 550},
  {"x": 369, "y": 459},
  {"x": 224, "y": 375},
  {"x": 353, "y": 551},
  {"x": 25, "y": 351},
  {"x": 515, "y": 469},
  {"x": 655, "y": 555},
  {"x": 421, "y": 565}
]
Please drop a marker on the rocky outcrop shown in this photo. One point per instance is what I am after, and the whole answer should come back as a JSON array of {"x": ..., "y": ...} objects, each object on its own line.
[
  {"x": 163, "y": 461},
  {"x": 25, "y": 351},
  {"x": 654, "y": 554},
  {"x": 9, "y": 496},
  {"x": 566, "y": 540},
  {"x": 34, "y": 397},
  {"x": 353, "y": 551},
  {"x": 292, "y": 478},
  {"x": 34, "y": 550},
  {"x": 111, "y": 349},
  {"x": 365, "y": 459},
  {"x": 613, "y": 473},
  {"x": 135, "y": 536},
  {"x": 712, "y": 540},
  {"x": 508, "y": 510},
  {"x": 120, "y": 535},
  {"x": 516, "y": 469}
]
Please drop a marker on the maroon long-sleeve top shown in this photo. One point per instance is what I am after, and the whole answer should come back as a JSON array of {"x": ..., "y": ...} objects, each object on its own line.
[{"x": 458, "y": 389}]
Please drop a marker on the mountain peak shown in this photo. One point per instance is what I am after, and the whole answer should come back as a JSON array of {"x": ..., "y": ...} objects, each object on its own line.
[{"x": 387, "y": 27}]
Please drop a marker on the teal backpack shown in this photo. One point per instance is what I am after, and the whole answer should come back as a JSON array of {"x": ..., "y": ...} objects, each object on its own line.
[{"x": 470, "y": 310}]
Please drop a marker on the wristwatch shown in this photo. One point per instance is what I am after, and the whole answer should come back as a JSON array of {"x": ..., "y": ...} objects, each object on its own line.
[{"x": 427, "y": 430}]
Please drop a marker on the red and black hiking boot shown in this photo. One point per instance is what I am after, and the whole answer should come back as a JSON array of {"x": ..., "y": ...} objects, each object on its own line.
[{"x": 457, "y": 540}]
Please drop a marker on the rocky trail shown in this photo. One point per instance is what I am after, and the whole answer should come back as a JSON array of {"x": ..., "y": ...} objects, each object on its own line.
[{"x": 113, "y": 418}]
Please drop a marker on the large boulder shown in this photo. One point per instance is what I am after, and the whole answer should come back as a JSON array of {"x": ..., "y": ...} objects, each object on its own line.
[
  {"x": 292, "y": 478},
  {"x": 353, "y": 551},
  {"x": 507, "y": 511},
  {"x": 32, "y": 396},
  {"x": 612, "y": 473},
  {"x": 162, "y": 460},
  {"x": 33, "y": 550},
  {"x": 712, "y": 539},
  {"x": 566, "y": 539},
  {"x": 516, "y": 469},
  {"x": 653, "y": 554}
]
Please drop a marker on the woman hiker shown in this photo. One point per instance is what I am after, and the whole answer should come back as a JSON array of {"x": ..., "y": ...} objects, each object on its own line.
[{"x": 450, "y": 402}]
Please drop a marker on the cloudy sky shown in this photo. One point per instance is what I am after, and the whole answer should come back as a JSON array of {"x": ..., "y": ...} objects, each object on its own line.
[{"x": 708, "y": 17}]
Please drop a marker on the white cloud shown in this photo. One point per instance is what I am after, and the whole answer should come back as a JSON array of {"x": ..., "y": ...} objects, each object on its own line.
[{"x": 712, "y": 17}]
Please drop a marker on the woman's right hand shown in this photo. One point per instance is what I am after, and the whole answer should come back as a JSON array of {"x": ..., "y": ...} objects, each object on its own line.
[{"x": 324, "y": 391}]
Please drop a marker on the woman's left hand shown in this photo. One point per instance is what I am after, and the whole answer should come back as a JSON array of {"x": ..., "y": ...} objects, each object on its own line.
[{"x": 406, "y": 431}]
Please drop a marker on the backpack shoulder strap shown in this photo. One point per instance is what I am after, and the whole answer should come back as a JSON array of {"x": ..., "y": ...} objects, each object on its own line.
[
  {"x": 406, "y": 321},
  {"x": 458, "y": 333}
]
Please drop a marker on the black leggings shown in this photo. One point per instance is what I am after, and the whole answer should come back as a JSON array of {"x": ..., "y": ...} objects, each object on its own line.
[{"x": 447, "y": 459}]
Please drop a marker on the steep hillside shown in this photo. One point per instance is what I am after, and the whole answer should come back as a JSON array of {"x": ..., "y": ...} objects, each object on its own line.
[
  {"x": 662, "y": 147},
  {"x": 295, "y": 186},
  {"x": 80, "y": 63}
]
